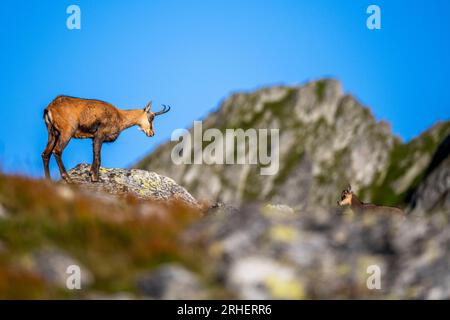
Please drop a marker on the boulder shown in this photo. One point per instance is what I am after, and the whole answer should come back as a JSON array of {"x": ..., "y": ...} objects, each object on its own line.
[{"x": 139, "y": 183}]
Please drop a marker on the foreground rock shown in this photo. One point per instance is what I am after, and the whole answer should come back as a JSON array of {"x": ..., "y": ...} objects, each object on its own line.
[
  {"x": 274, "y": 252},
  {"x": 140, "y": 183}
]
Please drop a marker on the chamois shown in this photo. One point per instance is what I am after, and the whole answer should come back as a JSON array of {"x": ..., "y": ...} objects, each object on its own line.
[
  {"x": 69, "y": 117},
  {"x": 348, "y": 198}
]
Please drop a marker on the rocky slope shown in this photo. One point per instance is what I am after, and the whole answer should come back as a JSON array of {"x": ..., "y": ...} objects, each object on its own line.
[
  {"x": 433, "y": 192},
  {"x": 327, "y": 140}
]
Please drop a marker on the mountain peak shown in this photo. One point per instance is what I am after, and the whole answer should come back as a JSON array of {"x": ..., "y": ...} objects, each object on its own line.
[{"x": 327, "y": 139}]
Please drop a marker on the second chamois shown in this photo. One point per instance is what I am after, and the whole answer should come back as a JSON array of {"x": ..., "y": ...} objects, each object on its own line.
[{"x": 348, "y": 198}]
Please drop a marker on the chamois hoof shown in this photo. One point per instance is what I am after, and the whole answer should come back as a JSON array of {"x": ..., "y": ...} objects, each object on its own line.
[
  {"x": 94, "y": 176},
  {"x": 66, "y": 178}
]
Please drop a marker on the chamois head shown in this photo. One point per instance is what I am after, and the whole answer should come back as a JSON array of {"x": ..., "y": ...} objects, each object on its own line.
[
  {"x": 346, "y": 196},
  {"x": 146, "y": 120}
]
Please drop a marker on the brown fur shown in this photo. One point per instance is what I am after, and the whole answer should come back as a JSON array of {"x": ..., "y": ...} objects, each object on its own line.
[
  {"x": 69, "y": 117},
  {"x": 348, "y": 198}
]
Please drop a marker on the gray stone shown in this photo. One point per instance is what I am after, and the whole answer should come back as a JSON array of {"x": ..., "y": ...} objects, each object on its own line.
[
  {"x": 52, "y": 266},
  {"x": 170, "y": 282},
  {"x": 3, "y": 212}
]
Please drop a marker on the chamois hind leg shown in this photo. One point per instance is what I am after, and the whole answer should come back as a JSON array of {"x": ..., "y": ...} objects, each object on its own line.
[
  {"x": 52, "y": 137},
  {"x": 62, "y": 142}
]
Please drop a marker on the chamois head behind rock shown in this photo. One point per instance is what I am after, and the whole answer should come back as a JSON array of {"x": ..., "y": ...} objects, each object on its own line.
[{"x": 346, "y": 197}]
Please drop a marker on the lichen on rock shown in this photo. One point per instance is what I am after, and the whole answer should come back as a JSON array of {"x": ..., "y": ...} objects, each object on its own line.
[{"x": 139, "y": 183}]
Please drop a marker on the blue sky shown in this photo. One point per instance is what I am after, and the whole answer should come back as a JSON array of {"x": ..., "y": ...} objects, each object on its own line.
[{"x": 192, "y": 54}]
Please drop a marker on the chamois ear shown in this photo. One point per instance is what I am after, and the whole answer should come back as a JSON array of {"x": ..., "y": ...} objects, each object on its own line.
[
  {"x": 349, "y": 188},
  {"x": 148, "y": 106}
]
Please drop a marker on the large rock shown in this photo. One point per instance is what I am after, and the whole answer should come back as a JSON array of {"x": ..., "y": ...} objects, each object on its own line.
[{"x": 140, "y": 183}]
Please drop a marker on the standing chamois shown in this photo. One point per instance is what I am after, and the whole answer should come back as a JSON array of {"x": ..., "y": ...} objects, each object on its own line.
[
  {"x": 69, "y": 117},
  {"x": 348, "y": 198}
]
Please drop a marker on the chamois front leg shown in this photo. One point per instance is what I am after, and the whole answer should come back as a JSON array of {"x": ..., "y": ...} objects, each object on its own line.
[{"x": 97, "y": 148}]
